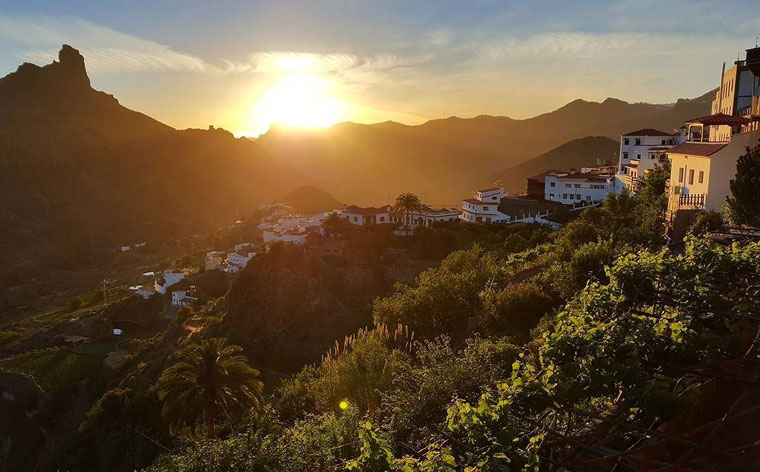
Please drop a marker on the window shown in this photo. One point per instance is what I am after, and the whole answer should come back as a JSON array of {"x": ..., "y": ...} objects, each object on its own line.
[
  {"x": 691, "y": 177},
  {"x": 568, "y": 186},
  {"x": 577, "y": 185},
  {"x": 485, "y": 208},
  {"x": 663, "y": 142},
  {"x": 588, "y": 198},
  {"x": 638, "y": 141},
  {"x": 551, "y": 196},
  {"x": 638, "y": 156},
  {"x": 626, "y": 141},
  {"x": 553, "y": 184},
  {"x": 564, "y": 196},
  {"x": 701, "y": 176},
  {"x": 382, "y": 219},
  {"x": 625, "y": 154},
  {"x": 680, "y": 175},
  {"x": 356, "y": 218}
]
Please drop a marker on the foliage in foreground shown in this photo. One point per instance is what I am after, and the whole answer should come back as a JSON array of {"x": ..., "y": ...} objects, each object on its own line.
[{"x": 616, "y": 358}]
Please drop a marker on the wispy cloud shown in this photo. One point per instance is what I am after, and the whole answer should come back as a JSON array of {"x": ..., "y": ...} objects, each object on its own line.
[
  {"x": 598, "y": 45},
  {"x": 105, "y": 49},
  {"x": 273, "y": 62}
]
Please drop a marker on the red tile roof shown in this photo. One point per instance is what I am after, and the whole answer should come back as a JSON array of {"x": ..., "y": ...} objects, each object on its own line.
[
  {"x": 478, "y": 202},
  {"x": 647, "y": 132},
  {"x": 365, "y": 210},
  {"x": 697, "y": 149},
  {"x": 540, "y": 177},
  {"x": 588, "y": 176},
  {"x": 719, "y": 119}
]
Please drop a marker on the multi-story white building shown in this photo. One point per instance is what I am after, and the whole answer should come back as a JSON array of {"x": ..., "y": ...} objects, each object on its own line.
[
  {"x": 578, "y": 188},
  {"x": 483, "y": 207},
  {"x": 639, "y": 153},
  {"x": 366, "y": 216}
]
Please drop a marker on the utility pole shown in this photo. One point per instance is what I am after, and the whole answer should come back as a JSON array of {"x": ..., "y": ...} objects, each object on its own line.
[{"x": 105, "y": 293}]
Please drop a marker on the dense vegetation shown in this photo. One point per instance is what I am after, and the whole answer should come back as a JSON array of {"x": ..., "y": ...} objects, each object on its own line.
[
  {"x": 592, "y": 341},
  {"x": 522, "y": 349},
  {"x": 615, "y": 358}
]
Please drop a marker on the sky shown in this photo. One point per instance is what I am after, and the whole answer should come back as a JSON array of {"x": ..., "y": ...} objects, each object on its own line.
[{"x": 241, "y": 65}]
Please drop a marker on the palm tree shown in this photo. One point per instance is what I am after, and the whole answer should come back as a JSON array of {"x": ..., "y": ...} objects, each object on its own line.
[
  {"x": 407, "y": 203},
  {"x": 209, "y": 380}
]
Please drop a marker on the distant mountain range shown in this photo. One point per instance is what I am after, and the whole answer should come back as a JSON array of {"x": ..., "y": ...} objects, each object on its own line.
[
  {"x": 441, "y": 159},
  {"x": 79, "y": 173}
]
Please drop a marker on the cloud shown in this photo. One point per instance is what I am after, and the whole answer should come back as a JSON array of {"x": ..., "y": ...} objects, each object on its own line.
[
  {"x": 572, "y": 45},
  {"x": 105, "y": 49},
  {"x": 275, "y": 62}
]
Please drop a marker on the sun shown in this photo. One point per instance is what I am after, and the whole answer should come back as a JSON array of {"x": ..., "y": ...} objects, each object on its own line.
[{"x": 298, "y": 100}]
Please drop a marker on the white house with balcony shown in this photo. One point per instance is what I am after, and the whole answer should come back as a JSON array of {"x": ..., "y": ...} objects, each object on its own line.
[
  {"x": 425, "y": 217},
  {"x": 578, "y": 188},
  {"x": 701, "y": 171},
  {"x": 483, "y": 207}
]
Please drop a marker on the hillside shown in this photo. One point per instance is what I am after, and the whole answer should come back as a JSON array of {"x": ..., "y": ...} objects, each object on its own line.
[
  {"x": 80, "y": 174},
  {"x": 310, "y": 200},
  {"x": 583, "y": 152},
  {"x": 440, "y": 159}
]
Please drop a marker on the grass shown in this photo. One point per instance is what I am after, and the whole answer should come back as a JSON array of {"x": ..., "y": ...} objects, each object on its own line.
[
  {"x": 91, "y": 301},
  {"x": 58, "y": 368}
]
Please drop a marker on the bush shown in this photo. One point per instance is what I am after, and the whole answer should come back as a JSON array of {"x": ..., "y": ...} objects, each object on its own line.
[
  {"x": 444, "y": 297},
  {"x": 75, "y": 303},
  {"x": 513, "y": 310}
]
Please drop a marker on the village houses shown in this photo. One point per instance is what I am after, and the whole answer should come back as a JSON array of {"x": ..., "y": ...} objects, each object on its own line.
[{"x": 703, "y": 166}]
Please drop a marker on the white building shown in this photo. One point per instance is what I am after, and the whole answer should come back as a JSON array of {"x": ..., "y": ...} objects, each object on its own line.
[
  {"x": 145, "y": 291},
  {"x": 578, "y": 188},
  {"x": 639, "y": 153},
  {"x": 293, "y": 236},
  {"x": 180, "y": 298},
  {"x": 484, "y": 207},
  {"x": 366, "y": 216},
  {"x": 167, "y": 279},
  {"x": 701, "y": 170},
  {"x": 214, "y": 260},
  {"x": 240, "y": 260},
  {"x": 425, "y": 217}
]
